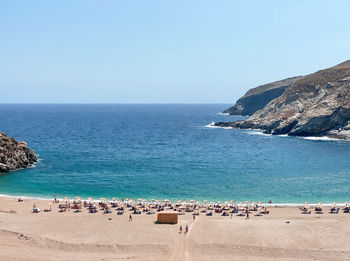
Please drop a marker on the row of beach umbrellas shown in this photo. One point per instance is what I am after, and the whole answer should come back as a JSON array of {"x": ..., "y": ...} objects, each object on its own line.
[{"x": 195, "y": 202}]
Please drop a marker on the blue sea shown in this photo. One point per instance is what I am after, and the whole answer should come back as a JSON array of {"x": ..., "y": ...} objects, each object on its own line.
[{"x": 167, "y": 151}]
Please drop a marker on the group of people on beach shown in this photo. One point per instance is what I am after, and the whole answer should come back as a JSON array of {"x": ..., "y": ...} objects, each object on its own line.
[{"x": 181, "y": 229}]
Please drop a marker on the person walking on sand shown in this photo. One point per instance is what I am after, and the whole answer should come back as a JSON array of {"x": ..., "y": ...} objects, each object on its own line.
[
  {"x": 180, "y": 231},
  {"x": 194, "y": 218},
  {"x": 186, "y": 229},
  {"x": 130, "y": 218},
  {"x": 231, "y": 215},
  {"x": 247, "y": 212}
]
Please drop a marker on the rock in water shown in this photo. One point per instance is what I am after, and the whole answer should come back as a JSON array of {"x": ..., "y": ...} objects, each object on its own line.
[
  {"x": 315, "y": 105},
  {"x": 14, "y": 155}
]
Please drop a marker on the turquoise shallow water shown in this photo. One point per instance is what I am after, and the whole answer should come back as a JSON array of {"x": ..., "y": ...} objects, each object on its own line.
[{"x": 165, "y": 151}]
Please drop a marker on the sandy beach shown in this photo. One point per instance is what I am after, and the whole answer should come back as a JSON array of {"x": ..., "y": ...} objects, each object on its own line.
[{"x": 84, "y": 236}]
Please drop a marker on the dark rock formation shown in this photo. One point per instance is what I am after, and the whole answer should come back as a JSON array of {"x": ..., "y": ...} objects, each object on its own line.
[
  {"x": 14, "y": 155},
  {"x": 315, "y": 105},
  {"x": 256, "y": 98}
]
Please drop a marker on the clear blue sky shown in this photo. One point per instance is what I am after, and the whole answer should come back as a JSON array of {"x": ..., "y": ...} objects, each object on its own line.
[{"x": 163, "y": 51}]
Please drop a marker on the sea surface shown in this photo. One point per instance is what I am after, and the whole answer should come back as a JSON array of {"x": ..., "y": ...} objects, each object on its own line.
[{"x": 167, "y": 151}]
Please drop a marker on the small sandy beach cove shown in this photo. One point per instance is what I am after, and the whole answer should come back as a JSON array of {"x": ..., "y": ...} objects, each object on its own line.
[{"x": 283, "y": 234}]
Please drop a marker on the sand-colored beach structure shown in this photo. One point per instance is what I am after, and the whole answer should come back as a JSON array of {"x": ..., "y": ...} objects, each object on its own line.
[
  {"x": 77, "y": 234},
  {"x": 167, "y": 218}
]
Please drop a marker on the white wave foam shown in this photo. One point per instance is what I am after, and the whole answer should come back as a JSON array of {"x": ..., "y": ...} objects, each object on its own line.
[
  {"x": 223, "y": 113},
  {"x": 258, "y": 132},
  {"x": 211, "y": 125},
  {"x": 324, "y": 138},
  {"x": 25, "y": 197}
]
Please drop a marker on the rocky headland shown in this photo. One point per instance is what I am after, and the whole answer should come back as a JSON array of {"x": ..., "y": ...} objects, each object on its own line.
[
  {"x": 14, "y": 155},
  {"x": 256, "y": 98},
  {"x": 314, "y": 105}
]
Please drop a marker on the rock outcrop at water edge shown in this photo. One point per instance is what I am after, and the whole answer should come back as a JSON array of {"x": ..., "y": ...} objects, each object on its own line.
[{"x": 14, "y": 155}]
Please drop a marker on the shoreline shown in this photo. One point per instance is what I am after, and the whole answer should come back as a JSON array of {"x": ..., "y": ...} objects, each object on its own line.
[
  {"x": 330, "y": 137},
  {"x": 281, "y": 205}
]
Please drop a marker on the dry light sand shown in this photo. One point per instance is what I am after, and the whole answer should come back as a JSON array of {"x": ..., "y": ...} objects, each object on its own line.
[{"x": 84, "y": 236}]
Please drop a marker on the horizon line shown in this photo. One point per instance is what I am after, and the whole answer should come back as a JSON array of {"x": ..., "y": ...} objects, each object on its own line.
[{"x": 111, "y": 103}]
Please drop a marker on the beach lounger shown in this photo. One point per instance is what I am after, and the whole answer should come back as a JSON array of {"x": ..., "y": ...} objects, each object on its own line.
[
  {"x": 92, "y": 210},
  {"x": 36, "y": 210},
  {"x": 306, "y": 212},
  {"x": 334, "y": 211},
  {"x": 107, "y": 211}
]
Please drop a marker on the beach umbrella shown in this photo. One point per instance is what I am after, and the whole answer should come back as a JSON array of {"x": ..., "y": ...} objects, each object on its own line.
[
  {"x": 90, "y": 199},
  {"x": 66, "y": 199},
  {"x": 334, "y": 204}
]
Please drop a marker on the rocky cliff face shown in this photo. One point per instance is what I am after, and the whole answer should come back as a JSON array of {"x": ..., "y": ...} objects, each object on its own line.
[
  {"x": 315, "y": 105},
  {"x": 256, "y": 98},
  {"x": 14, "y": 155}
]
